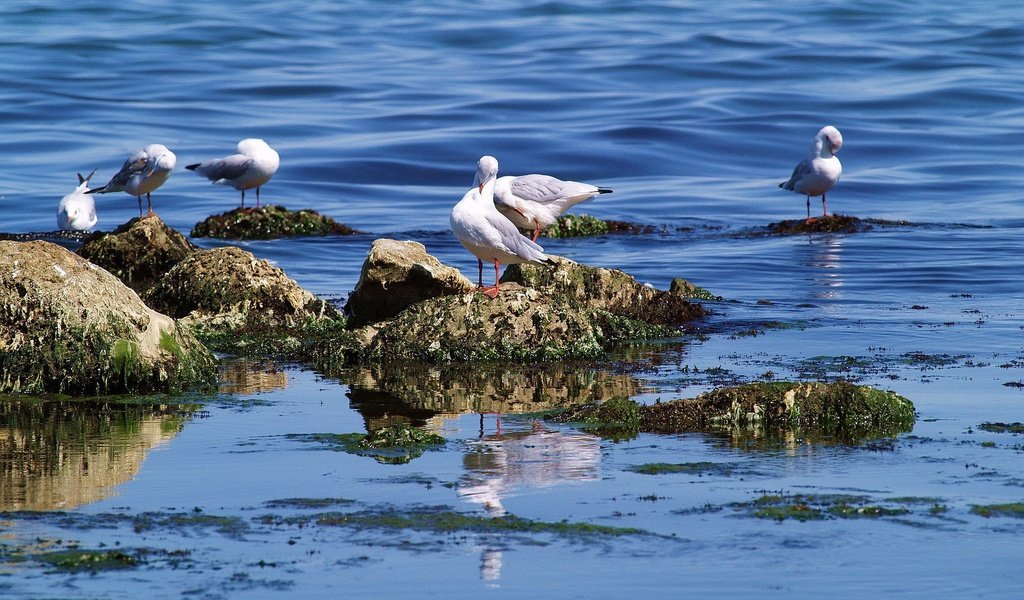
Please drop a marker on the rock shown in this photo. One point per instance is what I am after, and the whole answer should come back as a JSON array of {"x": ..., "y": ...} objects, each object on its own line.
[
  {"x": 233, "y": 300},
  {"x": 68, "y": 326},
  {"x": 138, "y": 252},
  {"x": 839, "y": 410},
  {"x": 585, "y": 225},
  {"x": 269, "y": 222},
  {"x": 396, "y": 275},
  {"x": 684, "y": 289},
  {"x": 828, "y": 224},
  {"x": 611, "y": 290}
]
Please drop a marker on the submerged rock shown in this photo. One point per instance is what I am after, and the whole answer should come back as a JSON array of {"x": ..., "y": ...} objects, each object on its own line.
[
  {"x": 839, "y": 410},
  {"x": 585, "y": 225},
  {"x": 396, "y": 275},
  {"x": 269, "y": 222},
  {"x": 827, "y": 224},
  {"x": 233, "y": 300},
  {"x": 138, "y": 252},
  {"x": 68, "y": 326}
]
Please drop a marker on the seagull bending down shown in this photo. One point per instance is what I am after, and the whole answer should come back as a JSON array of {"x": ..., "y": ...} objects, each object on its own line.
[
  {"x": 251, "y": 167},
  {"x": 143, "y": 172},
  {"x": 486, "y": 233},
  {"x": 817, "y": 173},
  {"x": 77, "y": 210},
  {"x": 533, "y": 202}
]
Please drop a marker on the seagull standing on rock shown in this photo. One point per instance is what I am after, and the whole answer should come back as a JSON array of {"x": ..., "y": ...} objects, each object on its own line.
[
  {"x": 143, "y": 172},
  {"x": 251, "y": 167},
  {"x": 77, "y": 210},
  {"x": 533, "y": 202},
  {"x": 486, "y": 233},
  {"x": 817, "y": 173}
]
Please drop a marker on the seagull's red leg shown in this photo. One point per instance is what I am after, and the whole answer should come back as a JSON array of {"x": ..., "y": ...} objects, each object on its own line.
[
  {"x": 536, "y": 232},
  {"x": 810, "y": 219},
  {"x": 824, "y": 208},
  {"x": 492, "y": 291},
  {"x": 139, "y": 197},
  {"x": 480, "y": 274},
  {"x": 149, "y": 203}
]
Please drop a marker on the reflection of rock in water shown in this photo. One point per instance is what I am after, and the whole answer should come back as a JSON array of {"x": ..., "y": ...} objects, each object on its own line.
[
  {"x": 417, "y": 393},
  {"x": 499, "y": 464},
  {"x": 250, "y": 376},
  {"x": 66, "y": 454}
]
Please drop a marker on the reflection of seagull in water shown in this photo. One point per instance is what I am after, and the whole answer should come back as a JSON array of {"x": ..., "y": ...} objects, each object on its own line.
[
  {"x": 488, "y": 234},
  {"x": 817, "y": 173},
  {"x": 251, "y": 167},
  {"x": 77, "y": 210},
  {"x": 533, "y": 202},
  {"x": 143, "y": 172}
]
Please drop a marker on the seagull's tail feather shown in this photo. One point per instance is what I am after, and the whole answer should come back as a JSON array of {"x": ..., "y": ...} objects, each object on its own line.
[
  {"x": 601, "y": 190},
  {"x": 85, "y": 179},
  {"x": 99, "y": 190},
  {"x": 192, "y": 167}
]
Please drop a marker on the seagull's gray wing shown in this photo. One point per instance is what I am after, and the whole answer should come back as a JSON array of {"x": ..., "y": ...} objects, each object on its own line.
[
  {"x": 799, "y": 172},
  {"x": 542, "y": 189},
  {"x": 227, "y": 168},
  {"x": 513, "y": 240}
]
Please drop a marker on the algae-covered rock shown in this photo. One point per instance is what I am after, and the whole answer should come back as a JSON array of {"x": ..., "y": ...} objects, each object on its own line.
[
  {"x": 71, "y": 327},
  {"x": 825, "y": 224},
  {"x": 840, "y": 410},
  {"x": 138, "y": 252},
  {"x": 585, "y": 225},
  {"x": 396, "y": 275},
  {"x": 684, "y": 289},
  {"x": 269, "y": 222},
  {"x": 611, "y": 290},
  {"x": 228, "y": 296}
]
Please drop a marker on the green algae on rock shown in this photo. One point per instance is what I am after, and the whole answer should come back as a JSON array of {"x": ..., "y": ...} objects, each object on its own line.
[
  {"x": 267, "y": 223},
  {"x": 585, "y": 225},
  {"x": 236, "y": 302},
  {"x": 71, "y": 327},
  {"x": 395, "y": 444},
  {"x": 838, "y": 410},
  {"x": 1010, "y": 509},
  {"x": 138, "y": 252},
  {"x": 826, "y": 224}
]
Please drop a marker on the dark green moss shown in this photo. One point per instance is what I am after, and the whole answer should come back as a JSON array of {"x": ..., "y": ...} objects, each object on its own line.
[
  {"x": 1013, "y": 428},
  {"x": 269, "y": 222},
  {"x": 695, "y": 468},
  {"x": 1011, "y": 509},
  {"x": 446, "y": 521},
  {"x": 308, "y": 502},
  {"x": 618, "y": 418},
  {"x": 397, "y": 444},
  {"x": 585, "y": 225},
  {"x": 89, "y": 560},
  {"x": 827, "y": 224},
  {"x": 807, "y": 507}
]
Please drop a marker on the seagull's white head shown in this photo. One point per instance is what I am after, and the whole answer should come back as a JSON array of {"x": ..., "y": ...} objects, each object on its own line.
[
  {"x": 159, "y": 158},
  {"x": 251, "y": 146},
  {"x": 828, "y": 141},
  {"x": 486, "y": 170}
]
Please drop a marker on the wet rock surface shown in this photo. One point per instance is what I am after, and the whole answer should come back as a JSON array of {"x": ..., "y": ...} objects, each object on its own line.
[
  {"x": 138, "y": 252},
  {"x": 70, "y": 327},
  {"x": 269, "y": 222},
  {"x": 568, "y": 226},
  {"x": 397, "y": 274},
  {"x": 826, "y": 224},
  {"x": 840, "y": 410},
  {"x": 231, "y": 298}
]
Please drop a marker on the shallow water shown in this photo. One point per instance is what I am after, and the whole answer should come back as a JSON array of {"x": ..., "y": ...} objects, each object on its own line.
[{"x": 692, "y": 114}]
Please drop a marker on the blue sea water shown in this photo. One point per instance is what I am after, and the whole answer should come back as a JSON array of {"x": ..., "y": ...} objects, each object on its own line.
[{"x": 692, "y": 112}]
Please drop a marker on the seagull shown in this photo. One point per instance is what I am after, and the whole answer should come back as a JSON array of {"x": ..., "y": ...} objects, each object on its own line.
[
  {"x": 486, "y": 233},
  {"x": 534, "y": 201},
  {"x": 253, "y": 165},
  {"x": 77, "y": 210},
  {"x": 143, "y": 172},
  {"x": 817, "y": 173}
]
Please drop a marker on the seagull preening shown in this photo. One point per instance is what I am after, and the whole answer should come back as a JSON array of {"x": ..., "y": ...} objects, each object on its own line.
[
  {"x": 77, "y": 210},
  {"x": 533, "y": 202},
  {"x": 252, "y": 166},
  {"x": 817, "y": 173},
  {"x": 486, "y": 232},
  {"x": 143, "y": 172}
]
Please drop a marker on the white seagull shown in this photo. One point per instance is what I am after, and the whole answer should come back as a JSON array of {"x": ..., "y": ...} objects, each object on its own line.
[
  {"x": 253, "y": 165},
  {"x": 77, "y": 210},
  {"x": 817, "y": 173},
  {"x": 486, "y": 232},
  {"x": 534, "y": 201},
  {"x": 143, "y": 172}
]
